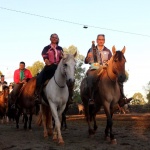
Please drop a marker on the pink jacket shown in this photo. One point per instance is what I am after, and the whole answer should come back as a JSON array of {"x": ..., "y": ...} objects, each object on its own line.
[{"x": 27, "y": 74}]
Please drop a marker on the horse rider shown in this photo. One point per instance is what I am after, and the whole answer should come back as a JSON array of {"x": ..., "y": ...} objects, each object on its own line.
[
  {"x": 97, "y": 57},
  {"x": 21, "y": 76},
  {"x": 52, "y": 55},
  {"x": 3, "y": 83}
]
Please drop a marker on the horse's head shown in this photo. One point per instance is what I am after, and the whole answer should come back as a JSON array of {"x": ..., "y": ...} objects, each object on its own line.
[
  {"x": 117, "y": 63},
  {"x": 68, "y": 67},
  {"x": 6, "y": 92}
]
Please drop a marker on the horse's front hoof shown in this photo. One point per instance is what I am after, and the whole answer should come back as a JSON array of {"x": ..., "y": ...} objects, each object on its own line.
[
  {"x": 91, "y": 136},
  {"x": 107, "y": 138},
  {"x": 55, "y": 139},
  {"x": 45, "y": 134},
  {"x": 114, "y": 142},
  {"x": 61, "y": 142}
]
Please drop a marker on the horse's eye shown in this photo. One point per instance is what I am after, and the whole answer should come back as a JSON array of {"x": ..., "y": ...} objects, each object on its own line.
[
  {"x": 115, "y": 60},
  {"x": 65, "y": 65}
]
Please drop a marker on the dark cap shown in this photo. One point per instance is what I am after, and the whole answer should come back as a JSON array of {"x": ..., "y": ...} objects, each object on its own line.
[{"x": 2, "y": 75}]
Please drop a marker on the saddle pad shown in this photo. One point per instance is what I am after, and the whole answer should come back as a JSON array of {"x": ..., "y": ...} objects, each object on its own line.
[{"x": 94, "y": 66}]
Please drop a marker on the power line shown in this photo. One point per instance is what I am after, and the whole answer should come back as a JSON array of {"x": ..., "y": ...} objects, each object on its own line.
[{"x": 46, "y": 17}]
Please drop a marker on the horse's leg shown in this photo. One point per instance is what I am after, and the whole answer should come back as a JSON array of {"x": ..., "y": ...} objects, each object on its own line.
[
  {"x": 109, "y": 120},
  {"x": 63, "y": 121},
  {"x": 113, "y": 140},
  {"x": 43, "y": 108},
  {"x": 25, "y": 120},
  {"x": 50, "y": 125},
  {"x": 95, "y": 125},
  {"x": 89, "y": 119},
  {"x": 109, "y": 112},
  {"x": 17, "y": 116},
  {"x": 57, "y": 116},
  {"x": 30, "y": 121}
]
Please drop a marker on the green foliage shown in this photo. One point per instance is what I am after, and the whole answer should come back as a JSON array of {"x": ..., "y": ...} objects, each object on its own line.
[
  {"x": 36, "y": 68},
  {"x": 79, "y": 72},
  {"x": 148, "y": 92},
  {"x": 71, "y": 50},
  {"x": 138, "y": 99}
]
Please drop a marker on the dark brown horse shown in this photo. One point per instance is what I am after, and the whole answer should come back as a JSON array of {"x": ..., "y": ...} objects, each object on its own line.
[
  {"x": 107, "y": 93},
  {"x": 25, "y": 103},
  {"x": 4, "y": 102}
]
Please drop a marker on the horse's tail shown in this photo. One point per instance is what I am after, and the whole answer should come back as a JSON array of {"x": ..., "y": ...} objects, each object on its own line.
[{"x": 39, "y": 119}]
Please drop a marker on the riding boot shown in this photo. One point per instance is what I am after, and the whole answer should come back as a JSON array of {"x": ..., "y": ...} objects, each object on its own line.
[
  {"x": 123, "y": 99},
  {"x": 38, "y": 92}
]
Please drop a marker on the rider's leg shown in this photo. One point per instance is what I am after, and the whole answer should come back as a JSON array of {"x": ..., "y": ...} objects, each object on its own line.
[
  {"x": 123, "y": 99},
  {"x": 46, "y": 74},
  {"x": 91, "y": 82}
]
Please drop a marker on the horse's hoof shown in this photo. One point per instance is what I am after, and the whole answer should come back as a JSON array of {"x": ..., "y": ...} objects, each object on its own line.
[
  {"x": 55, "y": 139},
  {"x": 107, "y": 138},
  {"x": 91, "y": 135},
  {"x": 50, "y": 133},
  {"x": 45, "y": 135},
  {"x": 114, "y": 142},
  {"x": 61, "y": 142}
]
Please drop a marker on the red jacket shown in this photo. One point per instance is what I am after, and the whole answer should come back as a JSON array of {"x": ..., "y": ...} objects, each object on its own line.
[{"x": 27, "y": 74}]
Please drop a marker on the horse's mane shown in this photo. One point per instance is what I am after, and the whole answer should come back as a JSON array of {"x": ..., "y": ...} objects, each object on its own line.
[{"x": 118, "y": 55}]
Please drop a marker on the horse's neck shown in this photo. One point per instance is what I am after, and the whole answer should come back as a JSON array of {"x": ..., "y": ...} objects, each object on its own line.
[
  {"x": 59, "y": 76},
  {"x": 110, "y": 73}
]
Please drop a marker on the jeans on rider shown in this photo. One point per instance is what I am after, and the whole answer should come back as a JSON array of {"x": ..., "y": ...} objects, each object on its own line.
[
  {"x": 46, "y": 74},
  {"x": 92, "y": 76}
]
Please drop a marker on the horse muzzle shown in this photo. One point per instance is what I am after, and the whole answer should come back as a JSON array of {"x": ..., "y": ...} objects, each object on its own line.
[
  {"x": 121, "y": 77},
  {"x": 70, "y": 81}
]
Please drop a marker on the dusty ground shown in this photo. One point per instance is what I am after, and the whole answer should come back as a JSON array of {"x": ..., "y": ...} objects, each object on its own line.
[{"x": 131, "y": 132}]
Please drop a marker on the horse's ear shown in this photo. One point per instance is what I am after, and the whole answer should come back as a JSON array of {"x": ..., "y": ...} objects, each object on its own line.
[
  {"x": 123, "y": 50},
  {"x": 64, "y": 56},
  {"x": 75, "y": 54},
  {"x": 113, "y": 50}
]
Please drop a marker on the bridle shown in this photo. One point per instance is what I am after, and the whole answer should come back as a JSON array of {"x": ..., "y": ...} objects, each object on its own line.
[{"x": 65, "y": 77}]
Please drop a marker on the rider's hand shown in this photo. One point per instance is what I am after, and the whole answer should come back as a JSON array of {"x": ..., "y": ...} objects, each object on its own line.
[
  {"x": 89, "y": 55},
  {"x": 47, "y": 62}
]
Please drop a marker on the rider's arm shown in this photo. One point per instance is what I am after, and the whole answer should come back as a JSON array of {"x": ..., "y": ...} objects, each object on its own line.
[{"x": 88, "y": 57}]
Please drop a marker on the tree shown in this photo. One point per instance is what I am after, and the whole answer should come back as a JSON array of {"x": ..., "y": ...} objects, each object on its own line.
[
  {"x": 79, "y": 72},
  {"x": 138, "y": 99},
  {"x": 36, "y": 68},
  {"x": 79, "y": 75},
  {"x": 147, "y": 89},
  {"x": 71, "y": 50},
  {"x": 1, "y": 73}
]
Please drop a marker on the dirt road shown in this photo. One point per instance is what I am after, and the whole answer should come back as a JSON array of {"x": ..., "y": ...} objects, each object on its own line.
[{"x": 131, "y": 131}]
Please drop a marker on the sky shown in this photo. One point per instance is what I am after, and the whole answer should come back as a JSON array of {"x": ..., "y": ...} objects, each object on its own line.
[{"x": 124, "y": 23}]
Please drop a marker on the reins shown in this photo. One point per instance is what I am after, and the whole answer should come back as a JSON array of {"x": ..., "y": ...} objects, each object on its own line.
[
  {"x": 58, "y": 84},
  {"x": 110, "y": 77}
]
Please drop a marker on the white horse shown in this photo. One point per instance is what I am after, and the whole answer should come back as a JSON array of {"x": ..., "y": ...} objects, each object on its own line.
[{"x": 56, "y": 91}]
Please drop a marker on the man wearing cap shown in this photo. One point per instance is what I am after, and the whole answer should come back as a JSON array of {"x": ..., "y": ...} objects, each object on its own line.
[{"x": 3, "y": 83}]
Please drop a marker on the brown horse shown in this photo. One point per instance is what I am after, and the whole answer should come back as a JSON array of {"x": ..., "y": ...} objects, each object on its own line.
[
  {"x": 107, "y": 93},
  {"x": 4, "y": 102},
  {"x": 25, "y": 102}
]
